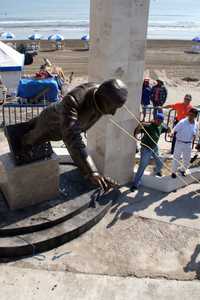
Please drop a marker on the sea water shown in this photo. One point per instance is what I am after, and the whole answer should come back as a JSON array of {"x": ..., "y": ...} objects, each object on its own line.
[{"x": 168, "y": 19}]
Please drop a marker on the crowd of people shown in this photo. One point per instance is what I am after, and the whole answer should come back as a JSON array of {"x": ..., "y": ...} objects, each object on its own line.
[{"x": 185, "y": 130}]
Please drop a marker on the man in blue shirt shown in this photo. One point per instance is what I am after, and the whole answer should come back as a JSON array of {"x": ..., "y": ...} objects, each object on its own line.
[{"x": 146, "y": 95}]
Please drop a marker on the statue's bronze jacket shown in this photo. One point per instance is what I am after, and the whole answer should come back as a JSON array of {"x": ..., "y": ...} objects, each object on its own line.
[{"x": 66, "y": 120}]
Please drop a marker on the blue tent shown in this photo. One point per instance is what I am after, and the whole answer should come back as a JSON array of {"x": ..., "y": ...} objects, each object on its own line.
[
  {"x": 7, "y": 35},
  {"x": 196, "y": 39},
  {"x": 35, "y": 36},
  {"x": 56, "y": 37},
  {"x": 85, "y": 37}
]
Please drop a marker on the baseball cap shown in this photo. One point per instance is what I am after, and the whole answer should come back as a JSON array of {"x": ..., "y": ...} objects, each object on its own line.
[
  {"x": 159, "y": 80},
  {"x": 159, "y": 116},
  {"x": 188, "y": 97}
]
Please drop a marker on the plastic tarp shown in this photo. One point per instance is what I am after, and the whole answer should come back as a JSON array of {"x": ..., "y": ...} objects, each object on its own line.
[
  {"x": 10, "y": 59},
  {"x": 29, "y": 88},
  {"x": 11, "y": 65}
]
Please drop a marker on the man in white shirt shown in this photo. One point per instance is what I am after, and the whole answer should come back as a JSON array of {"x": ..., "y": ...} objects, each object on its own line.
[{"x": 186, "y": 130}]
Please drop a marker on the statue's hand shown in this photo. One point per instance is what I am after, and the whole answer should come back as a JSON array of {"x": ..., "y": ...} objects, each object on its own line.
[
  {"x": 198, "y": 147},
  {"x": 111, "y": 183},
  {"x": 106, "y": 183}
]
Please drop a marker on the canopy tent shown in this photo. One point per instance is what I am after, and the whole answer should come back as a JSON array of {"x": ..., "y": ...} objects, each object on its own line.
[
  {"x": 11, "y": 65},
  {"x": 35, "y": 36},
  {"x": 85, "y": 37},
  {"x": 196, "y": 39},
  {"x": 56, "y": 37},
  {"x": 7, "y": 35}
]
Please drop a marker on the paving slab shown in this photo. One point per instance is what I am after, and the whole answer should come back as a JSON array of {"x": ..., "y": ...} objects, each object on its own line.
[
  {"x": 130, "y": 246},
  {"x": 181, "y": 207},
  {"x": 41, "y": 284}
]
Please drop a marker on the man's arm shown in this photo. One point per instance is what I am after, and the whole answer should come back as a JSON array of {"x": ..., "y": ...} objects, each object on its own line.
[
  {"x": 71, "y": 135},
  {"x": 177, "y": 127},
  {"x": 166, "y": 129},
  {"x": 141, "y": 127},
  {"x": 168, "y": 106}
]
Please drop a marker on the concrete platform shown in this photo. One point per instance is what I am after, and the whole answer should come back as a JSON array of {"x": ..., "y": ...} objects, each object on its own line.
[
  {"x": 28, "y": 184},
  {"x": 168, "y": 184}
]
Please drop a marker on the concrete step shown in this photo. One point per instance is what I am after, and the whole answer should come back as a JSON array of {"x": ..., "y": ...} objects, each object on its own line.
[
  {"x": 75, "y": 198},
  {"x": 168, "y": 184},
  {"x": 48, "y": 218},
  {"x": 47, "y": 239}
]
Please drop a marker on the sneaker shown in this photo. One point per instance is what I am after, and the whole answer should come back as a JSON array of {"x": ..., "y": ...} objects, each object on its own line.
[
  {"x": 173, "y": 175},
  {"x": 183, "y": 173},
  {"x": 193, "y": 159},
  {"x": 133, "y": 188},
  {"x": 159, "y": 174}
]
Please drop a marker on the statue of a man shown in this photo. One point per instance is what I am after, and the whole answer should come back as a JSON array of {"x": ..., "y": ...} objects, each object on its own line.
[{"x": 79, "y": 110}]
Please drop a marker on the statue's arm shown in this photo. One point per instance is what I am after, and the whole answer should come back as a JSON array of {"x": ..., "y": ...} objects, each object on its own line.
[{"x": 71, "y": 135}]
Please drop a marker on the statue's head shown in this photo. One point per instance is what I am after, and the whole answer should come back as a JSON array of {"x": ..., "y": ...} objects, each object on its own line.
[{"x": 111, "y": 95}]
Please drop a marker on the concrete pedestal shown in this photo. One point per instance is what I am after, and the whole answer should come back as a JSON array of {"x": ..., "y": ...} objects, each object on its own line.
[
  {"x": 117, "y": 47},
  {"x": 28, "y": 184}
]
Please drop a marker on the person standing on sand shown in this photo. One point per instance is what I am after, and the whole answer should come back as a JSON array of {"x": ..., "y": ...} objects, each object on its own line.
[
  {"x": 182, "y": 109},
  {"x": 146, "y": 94},
  {"x": 158, "y": 96},
  {"x": 186, "y": 130}
]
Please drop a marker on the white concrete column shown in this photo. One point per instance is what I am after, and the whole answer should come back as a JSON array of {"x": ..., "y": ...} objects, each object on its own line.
[{"x": 117, "y": 47}]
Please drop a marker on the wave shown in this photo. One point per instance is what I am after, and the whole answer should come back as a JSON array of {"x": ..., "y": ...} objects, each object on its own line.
[
  {"x": 44, "y": 23},
  {"x": 85, "y": 24},
  {"x": 177, "y": 25}
]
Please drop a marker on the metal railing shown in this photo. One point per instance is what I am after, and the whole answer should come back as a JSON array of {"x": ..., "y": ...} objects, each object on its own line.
[{"x": 13, "y": 113}]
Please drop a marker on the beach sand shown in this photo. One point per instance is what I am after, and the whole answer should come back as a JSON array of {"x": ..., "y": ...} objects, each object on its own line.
[{"x": 170, "y": 60}]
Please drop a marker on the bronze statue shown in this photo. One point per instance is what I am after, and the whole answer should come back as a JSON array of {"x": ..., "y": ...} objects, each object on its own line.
[{"x": 79, "y": 110}]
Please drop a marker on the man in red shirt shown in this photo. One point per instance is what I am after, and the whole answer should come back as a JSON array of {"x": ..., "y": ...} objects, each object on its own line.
[{"x": 182, "y": 109}]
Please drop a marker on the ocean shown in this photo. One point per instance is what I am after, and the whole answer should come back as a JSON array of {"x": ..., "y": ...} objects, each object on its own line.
[{"x": 169, "y": 19}]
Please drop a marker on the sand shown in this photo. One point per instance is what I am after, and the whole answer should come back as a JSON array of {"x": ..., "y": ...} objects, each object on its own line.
[{"x": 170, "y": 60}]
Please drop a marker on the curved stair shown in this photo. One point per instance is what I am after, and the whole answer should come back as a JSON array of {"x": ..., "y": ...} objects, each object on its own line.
[{"x": 55, "y": 222}]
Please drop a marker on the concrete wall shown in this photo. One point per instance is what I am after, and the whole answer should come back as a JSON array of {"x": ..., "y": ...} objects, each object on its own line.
[{"x": 117, "y": 47}]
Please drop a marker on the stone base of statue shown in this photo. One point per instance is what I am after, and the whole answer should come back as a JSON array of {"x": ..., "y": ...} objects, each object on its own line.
[
  {"x": 49, "y": 224},
  {"x": 28, "y": 184}
]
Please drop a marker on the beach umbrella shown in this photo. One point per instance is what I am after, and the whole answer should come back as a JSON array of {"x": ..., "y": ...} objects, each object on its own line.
[
  {"x": 56, "y": 37},
  {"x": 7, "y": 35},
  {"x": 85, "y": 37},
  {"x": 196, "y": 39},
  {"x": 35, "y": 36}
]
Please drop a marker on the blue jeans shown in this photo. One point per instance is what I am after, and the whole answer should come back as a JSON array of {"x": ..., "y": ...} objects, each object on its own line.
[{"x": 146, "y": 155}]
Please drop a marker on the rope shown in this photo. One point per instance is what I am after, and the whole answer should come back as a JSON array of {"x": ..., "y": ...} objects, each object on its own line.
[
  {"x": 143, "y": 144},
  {"x": 180, "y": 163}
]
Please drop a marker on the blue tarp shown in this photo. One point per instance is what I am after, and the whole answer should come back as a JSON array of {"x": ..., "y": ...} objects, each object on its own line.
[
  {"x": 11, "y": 69},
  {"x": 29, "y": 88}
]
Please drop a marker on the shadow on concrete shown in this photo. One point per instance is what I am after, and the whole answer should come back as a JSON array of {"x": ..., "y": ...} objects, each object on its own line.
[
  {"x": 129, "y": 204},
  {"x": 193, "y": 265},
  {"x": 184, "y": 207}
]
